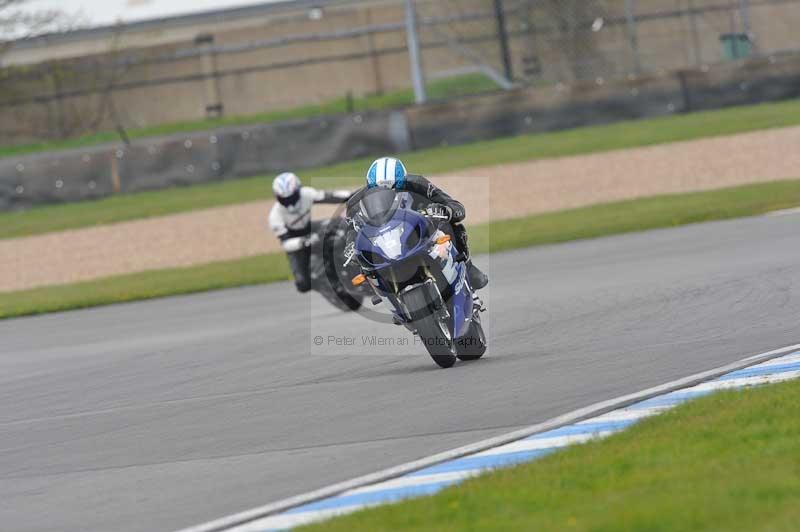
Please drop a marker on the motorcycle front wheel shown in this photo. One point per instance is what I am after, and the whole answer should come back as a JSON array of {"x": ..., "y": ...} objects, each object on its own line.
[{"x": 432, "y": 332}]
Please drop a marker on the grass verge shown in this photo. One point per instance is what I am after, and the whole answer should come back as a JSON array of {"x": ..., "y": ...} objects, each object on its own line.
[
  {"x": 516, "y": 149},
  {"x": 145, "y": 285},
  {"x": 587, "y": 222},
  {"x": 728, "y": 461},
  {"x": 443, "y": 88}
]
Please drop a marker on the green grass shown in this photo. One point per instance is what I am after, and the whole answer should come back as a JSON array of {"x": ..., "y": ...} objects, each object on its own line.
[
  {"x": 578, "y": 141},
  {"x": 145, "y": 285},
  {"x": 587, "y": 222},
  {"x": 444, "y": 88},
  {"x": 729, "y": 461},
  {"x": 636, "y": 215}
]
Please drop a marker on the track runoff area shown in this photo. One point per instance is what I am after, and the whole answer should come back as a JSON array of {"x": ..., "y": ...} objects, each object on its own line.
[{"x": 432, "y": 474}]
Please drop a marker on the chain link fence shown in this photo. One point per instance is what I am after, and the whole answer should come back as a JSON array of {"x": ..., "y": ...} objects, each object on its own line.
[{"x": 341, "y": 56}]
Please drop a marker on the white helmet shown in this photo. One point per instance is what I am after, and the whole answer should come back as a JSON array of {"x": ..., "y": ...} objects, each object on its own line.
[
  {"x": 387, "y": 172},
  {"x": 287, "y": 189}
]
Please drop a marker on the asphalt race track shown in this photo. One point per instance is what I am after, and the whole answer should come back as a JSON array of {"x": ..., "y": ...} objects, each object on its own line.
[{"x": 160, "y": 415}]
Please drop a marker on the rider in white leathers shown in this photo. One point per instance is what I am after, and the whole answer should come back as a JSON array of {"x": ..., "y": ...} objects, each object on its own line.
[{"x": 290, "y": 220}]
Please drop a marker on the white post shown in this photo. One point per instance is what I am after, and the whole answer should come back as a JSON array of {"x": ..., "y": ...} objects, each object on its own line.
[{"x": 414, "y": 55}]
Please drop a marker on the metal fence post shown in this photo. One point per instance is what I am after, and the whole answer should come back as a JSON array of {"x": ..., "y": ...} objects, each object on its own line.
[
  {"x": 633, "y": 35},
  {"x": 418, "y": 77},
  {"x": 744, "y": 9},
  {"x": 502, "y": 34},
  {"x": 214, "y": 105},
  {"x": 698, "y": 47}
]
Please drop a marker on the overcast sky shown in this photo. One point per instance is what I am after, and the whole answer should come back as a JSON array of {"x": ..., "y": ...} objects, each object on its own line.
[{"x": 101, "y": 12}]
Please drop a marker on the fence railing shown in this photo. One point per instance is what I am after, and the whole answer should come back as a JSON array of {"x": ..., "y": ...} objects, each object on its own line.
[{"x": 362, "y": 49}]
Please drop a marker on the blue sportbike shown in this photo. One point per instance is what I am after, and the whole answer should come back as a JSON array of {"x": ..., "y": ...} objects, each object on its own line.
[{"x": 410, "y": 262}]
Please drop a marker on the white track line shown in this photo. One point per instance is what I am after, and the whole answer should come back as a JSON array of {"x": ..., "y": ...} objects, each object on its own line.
[
  {"x": 543, "y": 443},
  {"x": 783, "y": 360},
  {"x": 746, "y": 381},
  {"x": 422, "y": 480},
  {"x": 627, "y": 414}
]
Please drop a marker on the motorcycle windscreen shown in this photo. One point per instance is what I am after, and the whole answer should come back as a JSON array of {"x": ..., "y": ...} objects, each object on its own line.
[{"x": 378, "y": 206}]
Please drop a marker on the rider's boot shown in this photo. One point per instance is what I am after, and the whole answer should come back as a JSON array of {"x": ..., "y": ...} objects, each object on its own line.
[{"x": 477, "y": 279}]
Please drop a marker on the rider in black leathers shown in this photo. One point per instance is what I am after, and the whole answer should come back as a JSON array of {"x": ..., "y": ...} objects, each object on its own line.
[{"x": 391, "y": 173}]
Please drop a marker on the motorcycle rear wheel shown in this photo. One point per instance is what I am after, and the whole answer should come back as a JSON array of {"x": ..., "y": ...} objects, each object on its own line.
[
  {"x": 472, "y": 346},
  {"x": 341, "y": 300},
  {"x": 348, "y": 302}
]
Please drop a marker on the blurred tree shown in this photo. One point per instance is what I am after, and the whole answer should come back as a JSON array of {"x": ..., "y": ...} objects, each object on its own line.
[
  {"x": 576, "y": 23},
  {"x": 20, "y": 19},
  {"x": 17, "y": 22}
]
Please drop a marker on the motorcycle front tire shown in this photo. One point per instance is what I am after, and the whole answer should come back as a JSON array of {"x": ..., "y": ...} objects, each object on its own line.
[{"x": 431, "y": 331}]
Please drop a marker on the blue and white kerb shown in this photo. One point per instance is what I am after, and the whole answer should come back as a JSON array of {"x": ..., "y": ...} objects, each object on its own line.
[
  {"x": 387, "y": 172},
  {"x": 784, "y": 366}
]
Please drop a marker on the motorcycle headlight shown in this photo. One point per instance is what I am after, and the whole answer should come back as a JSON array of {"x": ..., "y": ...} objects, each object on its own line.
[{"x": 390, "y": 242}]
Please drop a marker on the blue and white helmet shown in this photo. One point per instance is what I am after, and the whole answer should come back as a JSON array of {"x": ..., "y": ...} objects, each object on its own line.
[
  {"x": 287, "y": 189},
  {"x": 387, "y": 172}
]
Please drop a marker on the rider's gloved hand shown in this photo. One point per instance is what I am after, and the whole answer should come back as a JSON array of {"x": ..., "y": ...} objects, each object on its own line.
[
  {"x": 343, "y": 195},
  {"x": 439, "y": 211},
  {"x": 312, "y": 240}
]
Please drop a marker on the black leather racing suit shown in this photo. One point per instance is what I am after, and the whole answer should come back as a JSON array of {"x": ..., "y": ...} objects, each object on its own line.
[{"x": 425, "y": 193}]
